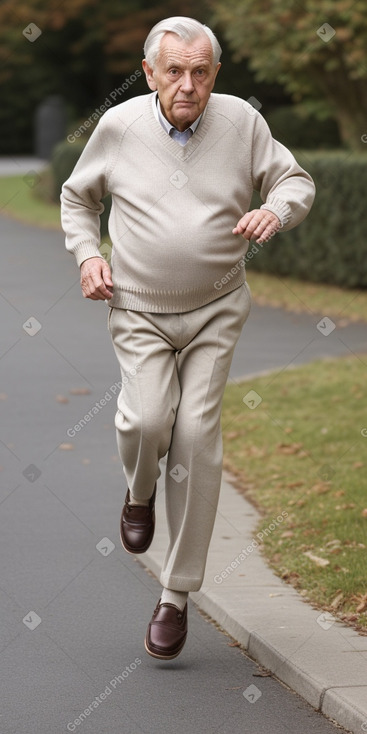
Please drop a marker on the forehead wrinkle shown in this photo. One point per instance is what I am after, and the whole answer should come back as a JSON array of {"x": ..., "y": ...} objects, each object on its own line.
[{"x": 173, "y": 57}]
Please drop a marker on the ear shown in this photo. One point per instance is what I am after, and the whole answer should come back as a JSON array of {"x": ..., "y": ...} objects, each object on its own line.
[
  {"x": 217, "y": 69},
  {"x": 149, "y": 74}
]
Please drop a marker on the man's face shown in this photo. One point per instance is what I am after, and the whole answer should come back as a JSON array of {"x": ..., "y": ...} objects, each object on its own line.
[{"x": 184, "y": 77}]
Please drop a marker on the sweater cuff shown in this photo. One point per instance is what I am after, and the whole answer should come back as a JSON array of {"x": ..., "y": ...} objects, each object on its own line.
[
  {"x": 280, "y": 208},
  {"x": 85, "y": 250}
]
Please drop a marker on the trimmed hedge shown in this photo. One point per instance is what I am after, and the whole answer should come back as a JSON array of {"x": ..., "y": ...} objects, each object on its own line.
[
  {"x": 295, "y": 131},
  {"x": 330, "y": 245}
]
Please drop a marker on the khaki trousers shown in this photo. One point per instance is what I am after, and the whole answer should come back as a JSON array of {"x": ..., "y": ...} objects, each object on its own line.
[{"x": 174, "y": 370}]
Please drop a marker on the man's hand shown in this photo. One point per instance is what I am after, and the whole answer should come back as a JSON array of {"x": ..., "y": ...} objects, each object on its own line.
[
  {"x": 95, "y": 279},
  {"x": 259, "y": 225}
]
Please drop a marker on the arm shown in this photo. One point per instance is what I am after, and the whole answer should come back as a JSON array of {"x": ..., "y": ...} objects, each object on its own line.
[
  {"x": 80, "y": 209},
  {"x": 286, "y": 189}
]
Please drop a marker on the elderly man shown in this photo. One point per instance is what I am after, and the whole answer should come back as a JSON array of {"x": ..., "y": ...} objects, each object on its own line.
[{"x": 181, "y": 164}]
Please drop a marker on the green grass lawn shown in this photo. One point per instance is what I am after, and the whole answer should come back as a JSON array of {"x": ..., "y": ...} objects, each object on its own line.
[
  {"x": 303, "y": 451},
  {"x": 344, "y": 305},
  {"x": 19, "y": 199}
]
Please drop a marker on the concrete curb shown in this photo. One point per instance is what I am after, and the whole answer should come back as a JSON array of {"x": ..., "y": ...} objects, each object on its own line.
[{"x": 316, "y": 656}]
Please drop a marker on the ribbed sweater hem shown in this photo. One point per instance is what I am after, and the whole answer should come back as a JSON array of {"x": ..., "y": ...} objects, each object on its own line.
[{"x": 173, "y": 301}]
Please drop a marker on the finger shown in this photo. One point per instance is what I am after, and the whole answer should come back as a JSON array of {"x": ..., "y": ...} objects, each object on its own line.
[
  {"x": 243, "y": 223},
  {"x": 106, "y": 275},
  {"x": 95, "y": 286},
  {"x": 253, "y": 226},
  {"x": 268, "y": 232},
  {"x": 266, "y": 227}
]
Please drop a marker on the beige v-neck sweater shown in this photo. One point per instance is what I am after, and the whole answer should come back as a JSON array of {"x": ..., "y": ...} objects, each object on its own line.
[{"x": 174, "y": 207}]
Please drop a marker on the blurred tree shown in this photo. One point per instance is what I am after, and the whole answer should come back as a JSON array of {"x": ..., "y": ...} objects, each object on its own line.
[
  {"x": 82, "y": 50},
  {"x": 316, "y": 49}
]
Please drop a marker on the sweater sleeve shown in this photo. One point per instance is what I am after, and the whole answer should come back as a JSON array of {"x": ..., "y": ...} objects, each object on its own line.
[
  {"x": 81, "y": 200},
  {"x": 285, "y": 188}
]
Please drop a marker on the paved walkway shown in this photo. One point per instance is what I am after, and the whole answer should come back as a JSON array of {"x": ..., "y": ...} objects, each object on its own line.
[{"x": 68, "y": 594}]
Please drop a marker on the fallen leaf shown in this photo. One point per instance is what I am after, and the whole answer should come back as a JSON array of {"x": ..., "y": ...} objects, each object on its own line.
[
  {"x": 319, "y": 561},
  {"x": 62, "y": 399},
  {"x": 336, "y": 601},
  {"x": 362, "y": 606},
  {"x": 289, "y": 448},
  {"x": 80, "y": 391},
  {"x": 333, "y": 543},
  {"x": 234, "y": 644},
  {"x": 287, "y": 534}
]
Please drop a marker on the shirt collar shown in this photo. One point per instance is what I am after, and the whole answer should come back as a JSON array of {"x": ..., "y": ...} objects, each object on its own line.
[{"x": 167, "y": 126}]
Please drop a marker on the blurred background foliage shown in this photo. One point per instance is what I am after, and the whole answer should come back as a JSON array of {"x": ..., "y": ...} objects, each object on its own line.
[{"x": 315, "y": 90}]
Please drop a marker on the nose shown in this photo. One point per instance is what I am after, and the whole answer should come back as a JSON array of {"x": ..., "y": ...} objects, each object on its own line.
[{"x": 186, "y": 83}]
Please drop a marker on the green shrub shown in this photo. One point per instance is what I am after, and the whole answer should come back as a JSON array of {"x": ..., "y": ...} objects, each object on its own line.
[
  {"x": 330, "y": 245},
  {"x": 296, "y": 131},
  {"x": 64, "y": 159}
]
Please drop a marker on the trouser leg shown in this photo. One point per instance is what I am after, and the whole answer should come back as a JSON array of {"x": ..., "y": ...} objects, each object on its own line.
[
  {"x": 194, "y": 464},
  {"x": 148, "y": 399}
]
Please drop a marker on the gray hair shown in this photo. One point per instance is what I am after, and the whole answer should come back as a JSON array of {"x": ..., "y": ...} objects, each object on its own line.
[{"x": 186, "y": 28}]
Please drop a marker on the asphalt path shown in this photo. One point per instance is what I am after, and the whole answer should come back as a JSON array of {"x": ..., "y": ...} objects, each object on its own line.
[{"x": 74, "y": 606}]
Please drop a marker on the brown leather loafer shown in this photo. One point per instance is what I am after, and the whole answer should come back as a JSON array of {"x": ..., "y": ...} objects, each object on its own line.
[
  {"x": 167, "y": 631},
  {"x": 137, "y": 525}
]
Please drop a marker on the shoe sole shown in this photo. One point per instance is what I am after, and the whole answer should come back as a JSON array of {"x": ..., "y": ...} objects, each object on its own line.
[{"x": 162, "y": 657}]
